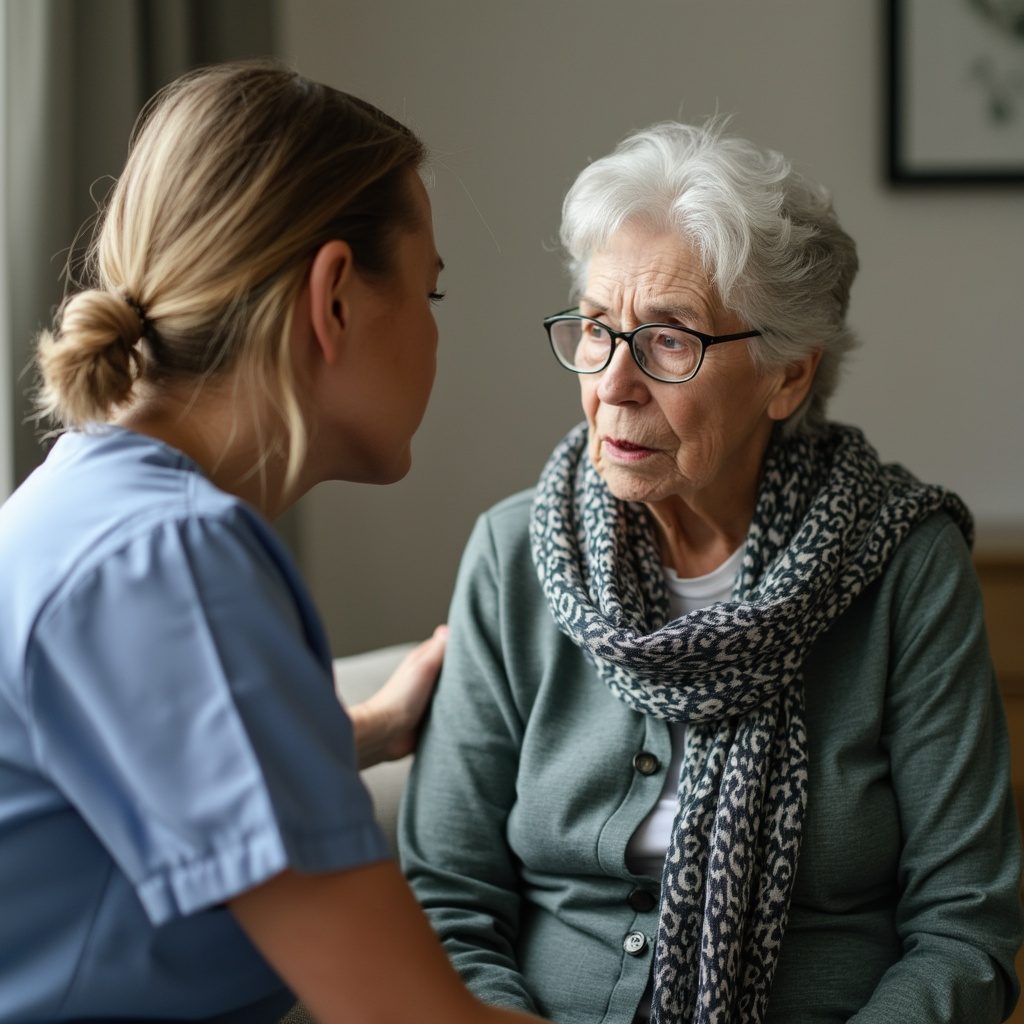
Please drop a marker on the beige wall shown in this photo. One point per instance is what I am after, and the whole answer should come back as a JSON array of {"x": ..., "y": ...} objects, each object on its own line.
[{"x": 514, "y": 98}]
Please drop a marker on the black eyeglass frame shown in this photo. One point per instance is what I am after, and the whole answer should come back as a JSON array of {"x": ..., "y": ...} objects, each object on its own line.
[{"x": 705, "y": 340}]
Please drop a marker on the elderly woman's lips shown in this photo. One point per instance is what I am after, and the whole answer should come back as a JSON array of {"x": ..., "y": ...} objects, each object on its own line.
[{"x": 626, "y": 451}]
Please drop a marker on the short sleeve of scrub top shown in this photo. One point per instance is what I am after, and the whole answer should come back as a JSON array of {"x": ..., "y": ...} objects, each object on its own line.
[{"x": 179, "y": 702}]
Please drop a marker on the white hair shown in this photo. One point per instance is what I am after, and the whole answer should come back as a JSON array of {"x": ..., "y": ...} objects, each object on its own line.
[{"x": 769, "y": 239}]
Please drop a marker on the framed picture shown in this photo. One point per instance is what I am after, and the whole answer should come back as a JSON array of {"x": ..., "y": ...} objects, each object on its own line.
[{"x": 956, "y": 91}]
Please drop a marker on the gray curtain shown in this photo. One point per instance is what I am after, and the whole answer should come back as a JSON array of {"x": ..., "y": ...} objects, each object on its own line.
[
  {"x": 75, "y": 74},
  {"x": 6, "y": 386}
]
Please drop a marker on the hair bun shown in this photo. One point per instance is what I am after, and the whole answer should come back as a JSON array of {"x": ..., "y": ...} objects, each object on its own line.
[{"x": 90, "y": 364}]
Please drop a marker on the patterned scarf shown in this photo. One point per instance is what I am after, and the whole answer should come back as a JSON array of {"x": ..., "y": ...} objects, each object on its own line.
[{"x": 827, "y": 519}]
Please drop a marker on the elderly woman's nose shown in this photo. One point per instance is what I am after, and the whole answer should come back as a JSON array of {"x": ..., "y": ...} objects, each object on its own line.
[{"x": 621, "y": 380}]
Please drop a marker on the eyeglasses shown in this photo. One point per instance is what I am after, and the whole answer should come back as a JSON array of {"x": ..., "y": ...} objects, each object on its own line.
[{"x": 665, "y": 352}]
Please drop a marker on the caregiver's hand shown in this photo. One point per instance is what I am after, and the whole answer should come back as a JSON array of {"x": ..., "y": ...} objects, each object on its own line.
[{"x": 386, "y": 726}]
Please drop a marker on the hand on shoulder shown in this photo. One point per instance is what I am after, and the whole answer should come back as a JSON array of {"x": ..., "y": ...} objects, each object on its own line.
[{"x": 386, "y": 725}]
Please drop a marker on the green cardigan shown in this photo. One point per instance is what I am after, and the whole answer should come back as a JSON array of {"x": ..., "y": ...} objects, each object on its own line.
[{"x": 527, "y": 788}]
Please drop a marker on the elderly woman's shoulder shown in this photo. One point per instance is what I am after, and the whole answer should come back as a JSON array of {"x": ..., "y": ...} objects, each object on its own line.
[
  {"x": 505, "y": 527},
  {"x": 933, "y": 561},
  {"x": 936, "y": 536},
  {"x": 512, "y": 512}
]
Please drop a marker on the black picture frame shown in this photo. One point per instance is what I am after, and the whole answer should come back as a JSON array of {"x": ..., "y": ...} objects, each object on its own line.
[{"x": 955, "y": 92}]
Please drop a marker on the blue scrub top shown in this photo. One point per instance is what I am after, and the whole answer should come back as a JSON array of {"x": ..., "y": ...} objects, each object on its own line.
[{"x": 169, "y": 737}]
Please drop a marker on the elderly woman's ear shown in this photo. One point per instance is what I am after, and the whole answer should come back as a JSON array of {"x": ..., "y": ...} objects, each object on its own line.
[{"x": 795, "y": 380}]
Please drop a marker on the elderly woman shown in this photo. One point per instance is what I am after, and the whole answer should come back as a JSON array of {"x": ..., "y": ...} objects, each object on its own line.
[{"x": 718, "y": 737}]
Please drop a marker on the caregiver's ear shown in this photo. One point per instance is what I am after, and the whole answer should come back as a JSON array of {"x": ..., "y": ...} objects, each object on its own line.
[{"x": 331, "y": 280}]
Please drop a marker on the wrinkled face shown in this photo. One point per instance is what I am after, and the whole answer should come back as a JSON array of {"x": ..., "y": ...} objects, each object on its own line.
[{"x": 700, "y": 441}]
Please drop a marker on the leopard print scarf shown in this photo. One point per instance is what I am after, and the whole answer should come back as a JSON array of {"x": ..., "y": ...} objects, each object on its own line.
[{"x": 827, "y": 519}]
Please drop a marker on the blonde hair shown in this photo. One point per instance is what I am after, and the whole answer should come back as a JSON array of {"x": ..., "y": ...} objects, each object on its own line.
[{"x": 236, "y": 175}]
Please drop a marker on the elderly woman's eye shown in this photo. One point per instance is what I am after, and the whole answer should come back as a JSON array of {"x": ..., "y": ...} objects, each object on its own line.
[
  {"x": 669, "y": 341},
  {"x": 595, "y": 331},
  {"x": 666, "y": 352}
]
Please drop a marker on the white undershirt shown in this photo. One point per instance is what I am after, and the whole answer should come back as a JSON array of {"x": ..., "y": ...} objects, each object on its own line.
[{"x": 645, "y": 852}]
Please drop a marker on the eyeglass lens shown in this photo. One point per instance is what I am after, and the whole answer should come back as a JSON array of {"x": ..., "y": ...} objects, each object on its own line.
[{"x": 666, "y": 353}]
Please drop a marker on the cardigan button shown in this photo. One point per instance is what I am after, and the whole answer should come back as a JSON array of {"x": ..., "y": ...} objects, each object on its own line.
[
  {"x": 642, "y": 900},
  {"x": 635, "y": 943},
  {"x": 646, "y": 763}
]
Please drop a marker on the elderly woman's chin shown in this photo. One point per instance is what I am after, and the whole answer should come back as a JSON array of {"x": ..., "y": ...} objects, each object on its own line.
[{"x": 645, "y": 475}]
